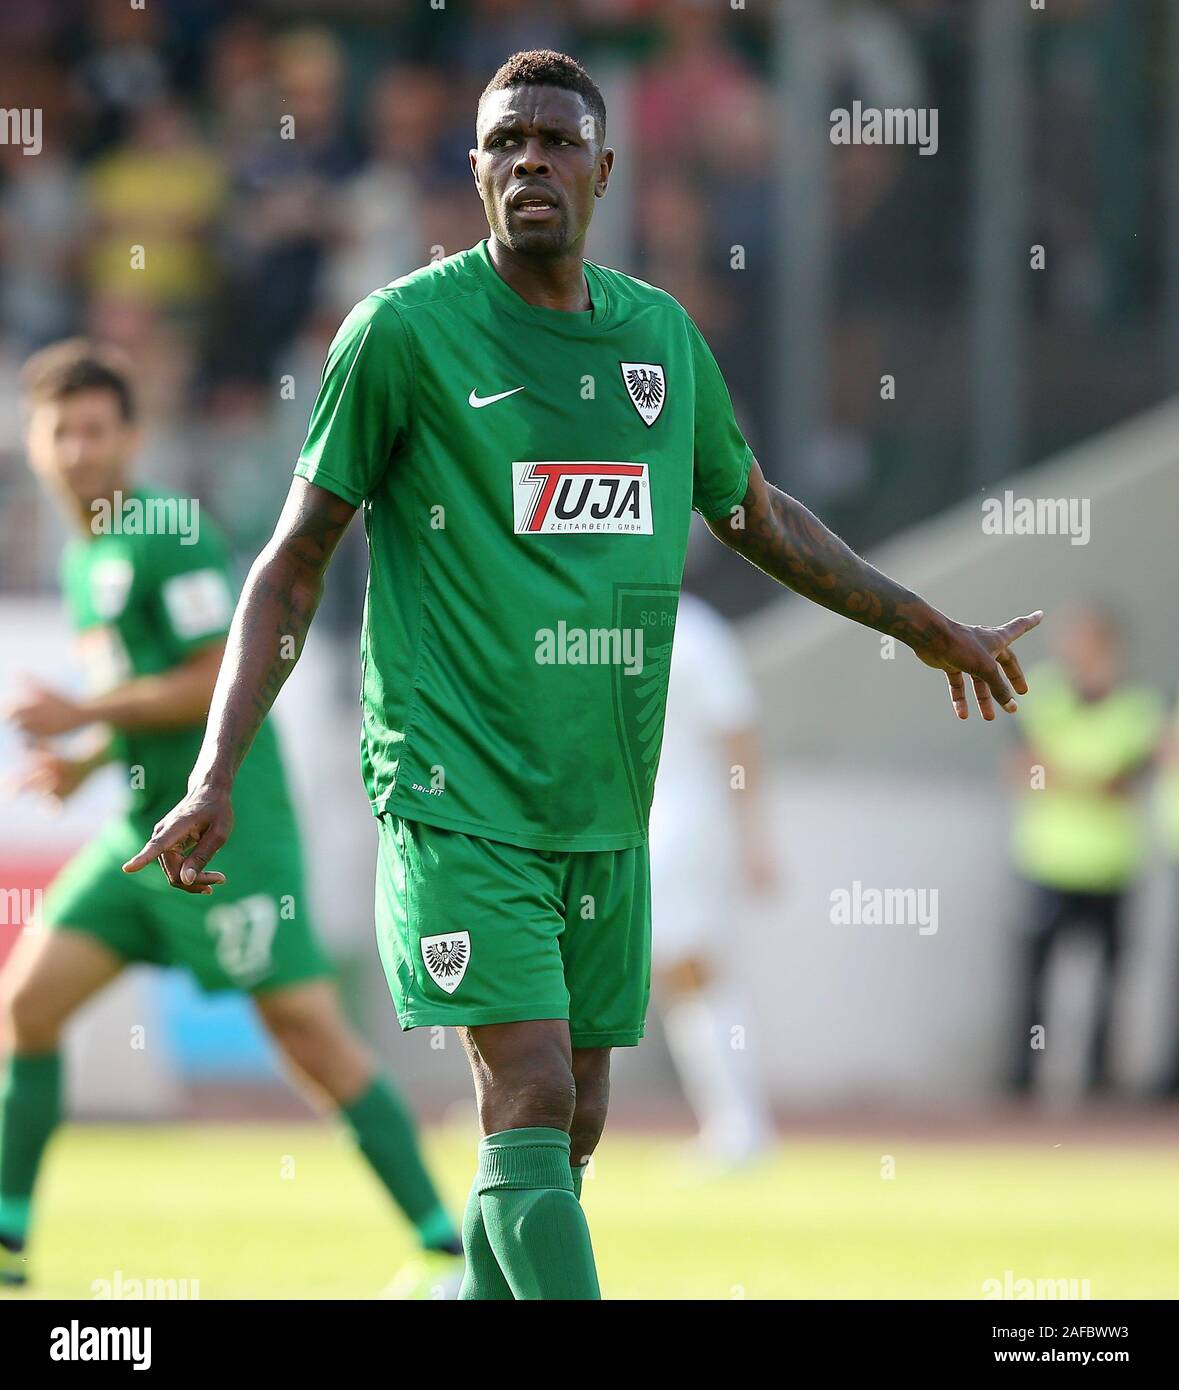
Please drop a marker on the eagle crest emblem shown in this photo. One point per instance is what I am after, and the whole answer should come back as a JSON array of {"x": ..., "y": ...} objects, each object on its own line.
[
  {"x": 647, "y": 388},
  {"x": 446, "y": 958}
]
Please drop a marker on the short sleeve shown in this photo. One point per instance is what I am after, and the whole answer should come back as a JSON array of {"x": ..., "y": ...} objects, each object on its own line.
[
  {"x": 193, "y": 592},
  {"x": 363, "y": 403},
  {"x": 721, "y": 457}
]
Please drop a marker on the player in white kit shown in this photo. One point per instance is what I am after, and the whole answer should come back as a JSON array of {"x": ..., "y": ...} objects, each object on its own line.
[{"x": 709, "y": 861}]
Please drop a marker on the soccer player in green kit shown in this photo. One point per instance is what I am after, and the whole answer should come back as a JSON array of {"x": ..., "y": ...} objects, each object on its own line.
[
  {"x": 527, "y": 435},
  {"x": 152, "y": 611}
]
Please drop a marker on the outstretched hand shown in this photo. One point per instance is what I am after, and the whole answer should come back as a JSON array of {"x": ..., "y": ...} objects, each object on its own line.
[
  {"x": 40, "y": 712},
  {"x": 984, "y": 655},
  {"x": 186, "y": 839}
]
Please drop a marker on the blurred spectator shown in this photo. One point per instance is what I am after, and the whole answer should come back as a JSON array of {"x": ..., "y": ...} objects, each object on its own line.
[
  {"x": 378, "y": 212},
  {"x": 161, "y": 190},
  {"x": 697, "y": 84},
  {"x": 163, "y": 353},
  {"x": 704, "y": 124},
  {"x": 241, "y": 81},
  {"x": 1079, "y": 840},
  {"x": 235, "y": 458},
  {"x": 40, "y": 216},
  {"x": 167, "y": 126},
  {"x": 672, "y": 227},
  {"x": 498, "y": 28},
  {"x": 286, "y": 183},
  {"x": 1169, "y": 799},
  {"x": 123, "y": 71}
]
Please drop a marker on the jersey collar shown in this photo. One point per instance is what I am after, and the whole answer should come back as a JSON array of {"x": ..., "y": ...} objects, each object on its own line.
[{"x": 583, "y": 321}]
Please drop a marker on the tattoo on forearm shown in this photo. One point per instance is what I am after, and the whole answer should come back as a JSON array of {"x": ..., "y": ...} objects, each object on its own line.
[
  {"x": 273, "y": 615},
  {"x": 782, "y": 537}
]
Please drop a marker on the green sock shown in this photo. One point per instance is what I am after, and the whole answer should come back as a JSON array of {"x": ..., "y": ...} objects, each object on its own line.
[
  {"x": 578, "y": 1172},
  {"x": 533, "y": 1221},
  {"x": 483, "y": 1280},
  {"x": 385, "y": 1135},
  {"x": 30, "y": 1108}
]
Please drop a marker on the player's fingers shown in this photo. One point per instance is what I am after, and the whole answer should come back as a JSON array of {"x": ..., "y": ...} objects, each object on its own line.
[
  {"x": 1015, "y": 629},
  {"x": 169, "y": 862},
  {"x": 40, "y": 783},
  {"x": 957, "y": 684},
  {"x": 982, "y": 693},
  {"x": 192, "y": 870},
  {"x": 996, "y": 684},
  {"x": 151, "y": 851},
  {"x": 28, "y": 778},
  {"x": 1013, "y": 671},
  {"x": 172, "y": 863},
  {"x": 168, "y": 834}
]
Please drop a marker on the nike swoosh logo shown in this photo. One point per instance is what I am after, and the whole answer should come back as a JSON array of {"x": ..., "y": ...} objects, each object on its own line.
[{"x": 478, "y": 402}]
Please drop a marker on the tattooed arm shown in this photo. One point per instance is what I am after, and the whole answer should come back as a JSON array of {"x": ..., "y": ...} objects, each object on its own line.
[
  {"x": 270, "y": 624},
  {"x": 781, "y": 537}
]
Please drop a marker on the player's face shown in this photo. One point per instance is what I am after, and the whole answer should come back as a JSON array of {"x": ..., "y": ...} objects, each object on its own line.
[
  {"x": 1091, "y": 653},
  {"x": 538, "y": 168},
  {"x": 80, "y": 447}
]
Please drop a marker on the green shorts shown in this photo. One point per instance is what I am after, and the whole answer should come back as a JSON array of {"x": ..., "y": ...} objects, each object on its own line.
[
  {"x": 474, "y": 931},
  {"x": 253, "y": 933}
]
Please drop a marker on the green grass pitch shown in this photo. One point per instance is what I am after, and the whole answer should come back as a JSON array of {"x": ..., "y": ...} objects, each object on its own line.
[{"x": 288, "y": 1211}]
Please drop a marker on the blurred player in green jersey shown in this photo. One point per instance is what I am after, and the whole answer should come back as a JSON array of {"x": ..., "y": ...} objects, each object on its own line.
[
  {"x": 527, "y": 434},
  {"x": 147, "y": 588}
]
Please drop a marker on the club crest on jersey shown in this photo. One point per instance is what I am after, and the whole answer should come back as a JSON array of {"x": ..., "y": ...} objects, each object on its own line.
[
  {"x": 572, "y": 495},
  {"x": 110, "y": 585},
  {"x": 446, "y": 958},
  {"x": 647, "y": 388}
]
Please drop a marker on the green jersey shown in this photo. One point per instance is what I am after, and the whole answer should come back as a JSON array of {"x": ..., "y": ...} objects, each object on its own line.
[
  {"x": 143, "y": 595},
  {"x": 527, "y": 478}
]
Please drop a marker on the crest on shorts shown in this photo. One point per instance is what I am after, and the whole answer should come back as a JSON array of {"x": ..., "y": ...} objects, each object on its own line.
[
  {"x": 647, "y": 388},
  {"x": 446, "y": 958}
]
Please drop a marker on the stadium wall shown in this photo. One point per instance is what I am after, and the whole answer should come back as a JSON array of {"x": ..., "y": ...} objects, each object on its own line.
[{"x": 877, "y": 781}]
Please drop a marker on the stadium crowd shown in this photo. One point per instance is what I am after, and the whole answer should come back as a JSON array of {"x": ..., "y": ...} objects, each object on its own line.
[{"x": 278, "y": 162}]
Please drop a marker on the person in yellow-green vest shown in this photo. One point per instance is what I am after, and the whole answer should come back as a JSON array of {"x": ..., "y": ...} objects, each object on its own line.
[
  {"x": 1169, "y": 806},
  {"x": 1079, "y": 836}
]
